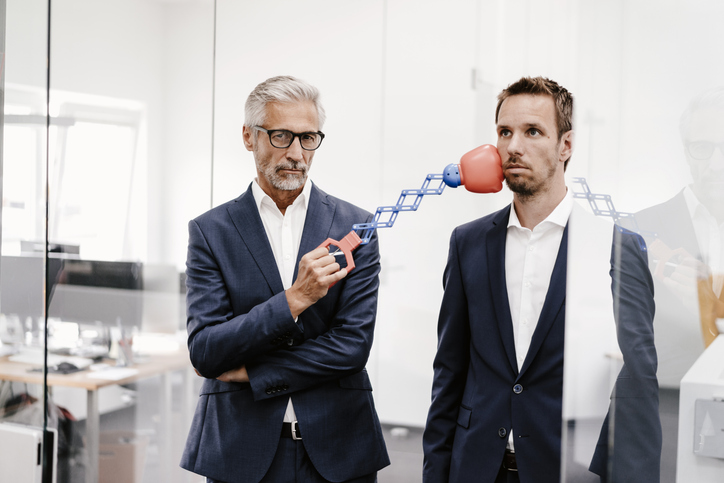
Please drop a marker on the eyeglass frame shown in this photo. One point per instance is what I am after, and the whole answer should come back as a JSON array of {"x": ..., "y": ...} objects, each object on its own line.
[
  {"x": 715, "y": 146},
  {"x": 294, "y": 136}
]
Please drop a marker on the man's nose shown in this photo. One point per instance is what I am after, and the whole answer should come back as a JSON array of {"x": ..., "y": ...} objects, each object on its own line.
[
  {"x": 515, "y": 145},
  {"x": 716, "y": 163},
  {"x": 295, "y": 151}
]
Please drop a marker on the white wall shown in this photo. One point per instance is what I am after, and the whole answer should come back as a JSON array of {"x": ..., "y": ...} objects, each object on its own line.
[
  {"x": 409, "y": 86},
  {"x": 402, "y": 71}
]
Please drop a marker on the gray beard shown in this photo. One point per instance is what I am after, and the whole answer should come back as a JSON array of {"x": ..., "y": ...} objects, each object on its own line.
[{"x": 288, "y": 182}]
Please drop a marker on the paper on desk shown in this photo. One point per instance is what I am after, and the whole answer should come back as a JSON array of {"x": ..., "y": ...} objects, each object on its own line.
[
  {"x": 113, "y": 374},
  {"x": 35, "y": 356}
]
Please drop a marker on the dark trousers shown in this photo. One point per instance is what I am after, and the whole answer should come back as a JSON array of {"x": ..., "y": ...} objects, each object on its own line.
[{"x": 291, "y": 464}]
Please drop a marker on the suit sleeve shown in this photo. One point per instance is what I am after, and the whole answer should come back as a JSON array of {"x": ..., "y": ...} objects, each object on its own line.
[
  {"x": 450, "y": 372},
  {"x": 341, "y": 350},
  {"x": 219, "y": 341},
  {"x": 634, "y": 412}
]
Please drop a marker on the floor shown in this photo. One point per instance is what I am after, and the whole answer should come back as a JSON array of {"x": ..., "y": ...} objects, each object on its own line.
[{"x": 404, "y": 444}]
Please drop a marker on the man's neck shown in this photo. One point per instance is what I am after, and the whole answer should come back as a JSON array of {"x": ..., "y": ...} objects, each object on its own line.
[
  {"x": 534, "y": 209},
  {"x": 282, "y": 198},
  {"x": 715, "y": 209}
]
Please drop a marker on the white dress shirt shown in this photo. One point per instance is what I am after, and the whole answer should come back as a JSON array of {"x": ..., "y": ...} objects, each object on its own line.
[
  {"x": 284, "y": 232},
  {"x": 710, "y": 237},
  {"x": 530, "y": 256}
]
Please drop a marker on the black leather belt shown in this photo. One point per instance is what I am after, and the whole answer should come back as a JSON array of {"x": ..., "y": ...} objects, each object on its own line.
[
  {"x": 291, "y": 430},
  {"x": 509, "y": 461}
]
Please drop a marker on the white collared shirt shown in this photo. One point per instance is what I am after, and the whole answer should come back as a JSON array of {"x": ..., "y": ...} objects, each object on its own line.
[
  {"x": 529, "y": 259},
  {"x": 530, "y": 256},
  {"x": 709, "y": 236},
  {"x": 284, "y": 232}
]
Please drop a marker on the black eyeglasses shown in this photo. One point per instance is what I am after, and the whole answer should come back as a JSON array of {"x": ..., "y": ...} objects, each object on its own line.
[
  {"x": 282, "y": 139},
  {"x": 703, "y": 150}
]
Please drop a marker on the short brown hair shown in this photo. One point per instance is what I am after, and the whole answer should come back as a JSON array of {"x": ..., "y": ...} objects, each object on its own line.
[{"x": 542, "y": 86}]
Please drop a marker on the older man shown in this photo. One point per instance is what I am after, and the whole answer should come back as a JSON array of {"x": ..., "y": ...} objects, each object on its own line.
[{"x": 279, "y": 331}]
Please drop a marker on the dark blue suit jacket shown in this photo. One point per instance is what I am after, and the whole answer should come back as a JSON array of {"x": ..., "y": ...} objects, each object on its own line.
[
  {"x": 238, "y": 314},
  {"x": 478, "y": 394},
  {"x": 629, "y": 446}
]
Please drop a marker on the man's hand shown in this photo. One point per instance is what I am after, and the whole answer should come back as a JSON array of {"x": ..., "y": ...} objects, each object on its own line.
[
  {"x": 317, "y": 271},
  {"x": 679, "y": 272},
  {"x": 235, "y": 375}
]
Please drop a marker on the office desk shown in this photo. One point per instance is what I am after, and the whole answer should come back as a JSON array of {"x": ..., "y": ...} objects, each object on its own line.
[{"x": 155, "y": 365}]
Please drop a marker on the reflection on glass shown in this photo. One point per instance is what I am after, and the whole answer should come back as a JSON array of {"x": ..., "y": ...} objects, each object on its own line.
[
  {"x": 108, "y": 297},
  {"x": 685, "y": 235}
]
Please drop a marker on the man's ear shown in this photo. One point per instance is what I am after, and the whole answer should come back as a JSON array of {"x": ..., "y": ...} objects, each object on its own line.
[
  {"x": 566, "y": 146},
  {"x": 248, "y": 137}
]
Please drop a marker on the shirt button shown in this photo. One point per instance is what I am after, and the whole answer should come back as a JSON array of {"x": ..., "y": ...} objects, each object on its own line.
[
  {"x": 502, "y": 432},
  {"x": 517, "y": 389},
  {"x": 530, "y": 249},
  {"x": 527, "y": 283}
]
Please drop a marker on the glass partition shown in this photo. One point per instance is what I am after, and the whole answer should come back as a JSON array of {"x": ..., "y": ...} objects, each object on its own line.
[
  {"x": 25, "y": 425},
  {"x": 120, "y": 128},
  {"x": 136, "y": 128}
]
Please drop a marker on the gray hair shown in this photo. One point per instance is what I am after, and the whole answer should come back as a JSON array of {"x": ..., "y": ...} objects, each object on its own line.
[
  {"x": 284, "y": 89},
  {"x": 712, "y": 98}
]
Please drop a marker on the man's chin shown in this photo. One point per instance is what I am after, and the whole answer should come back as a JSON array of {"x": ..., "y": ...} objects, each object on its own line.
[
  {"x": 290, "y": 183},
  {"x": 518, "y": 185}
]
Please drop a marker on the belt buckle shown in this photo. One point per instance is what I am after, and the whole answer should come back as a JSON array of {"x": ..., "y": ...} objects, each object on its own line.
[
  {"x": 510, "y": 454},
  {"x": 295, "y": 429}
]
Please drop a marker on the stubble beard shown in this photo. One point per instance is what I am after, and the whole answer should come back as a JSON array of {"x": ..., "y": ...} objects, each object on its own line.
[
  {"x": 527, "y": 188},
  {"x": 283, "y": 182}
]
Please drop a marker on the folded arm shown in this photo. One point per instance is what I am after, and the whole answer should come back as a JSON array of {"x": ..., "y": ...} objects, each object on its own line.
[
  {"x": 339, "y": 330},
  {"x": 218, "y": 340}
]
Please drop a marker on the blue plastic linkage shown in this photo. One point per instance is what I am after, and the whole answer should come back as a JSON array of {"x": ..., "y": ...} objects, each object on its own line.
[
  {"x": 365, "y": 230},
  {"x": 610, "y": 210}
]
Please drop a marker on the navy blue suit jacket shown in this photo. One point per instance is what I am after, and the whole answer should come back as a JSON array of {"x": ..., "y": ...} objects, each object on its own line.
[
  {"x": 238, "y": 315},
  {"x": 478, "y": 394}
]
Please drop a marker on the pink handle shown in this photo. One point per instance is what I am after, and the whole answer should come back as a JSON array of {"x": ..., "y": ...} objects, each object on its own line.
[{"x": 347, "y": 244}]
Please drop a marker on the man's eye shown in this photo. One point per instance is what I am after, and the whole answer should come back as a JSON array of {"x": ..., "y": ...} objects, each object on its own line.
[
  {"x": 504, "y": 133},
  {"x": 534, "y": 132},
  {"x": 281, "y": 137}
]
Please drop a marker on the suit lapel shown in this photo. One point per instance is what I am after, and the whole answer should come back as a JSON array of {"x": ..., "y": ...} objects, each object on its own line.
[
  {"x": 554, "y": 301},
  {"x": 495, "y": 247},
  {"x": 245, "y": 216},
  {"x": 317, "y": 225}
]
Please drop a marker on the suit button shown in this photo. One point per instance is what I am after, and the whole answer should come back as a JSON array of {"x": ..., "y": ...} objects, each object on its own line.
[
  {"x": 517, "y": 389},
  {"x": 285, "y": 387},
  {"x": 268, "y": 390},
  {"x": 290, "y": 341},
  {"x": 502, "y": 432}
]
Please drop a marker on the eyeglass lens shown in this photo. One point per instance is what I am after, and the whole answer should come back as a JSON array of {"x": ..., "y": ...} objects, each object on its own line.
[
  {"x": 703, "y": 149},
  {"x": 284, "y": 139}
]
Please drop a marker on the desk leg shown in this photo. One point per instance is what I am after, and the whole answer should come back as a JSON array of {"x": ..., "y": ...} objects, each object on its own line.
[
  {"x": 187, "y": 411},
  {"x": 166, "y": 426},
  {"x": 92, "y": 436}
]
